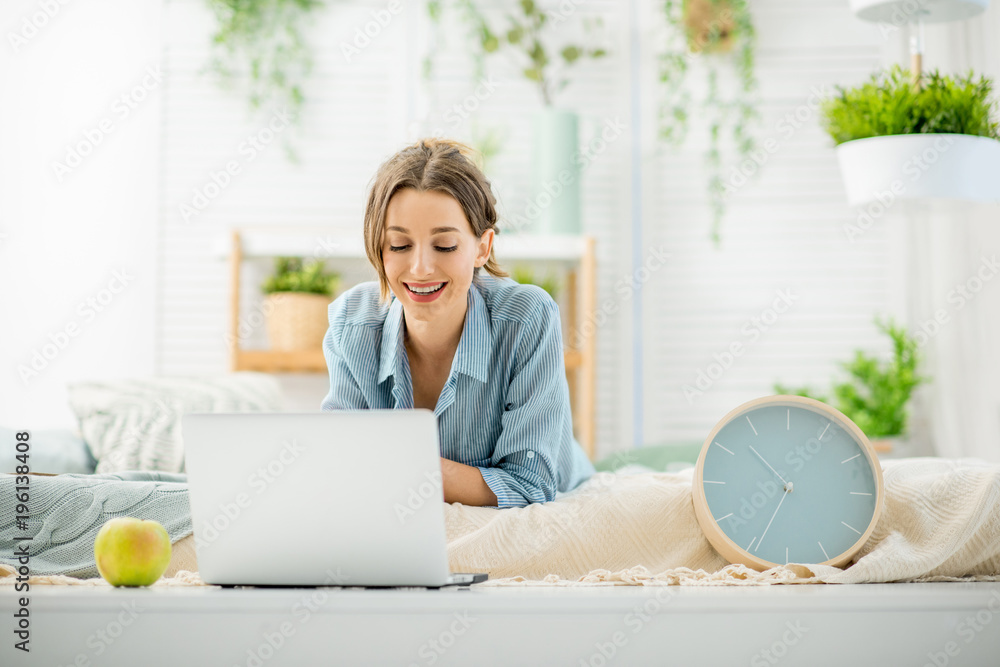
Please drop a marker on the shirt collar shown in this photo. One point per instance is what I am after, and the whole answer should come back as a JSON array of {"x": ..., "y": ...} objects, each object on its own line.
[{"x": 472, "y": 354}]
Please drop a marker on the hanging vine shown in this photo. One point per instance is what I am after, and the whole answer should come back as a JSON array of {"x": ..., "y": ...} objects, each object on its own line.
[
  {"x": 259, "y": 44},
  {"x": 718, "y": 33},
  {"x": 526, "y": 34}
]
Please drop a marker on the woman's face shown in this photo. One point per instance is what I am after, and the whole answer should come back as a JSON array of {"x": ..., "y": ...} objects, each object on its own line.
[{"x": 430, "y": 245}]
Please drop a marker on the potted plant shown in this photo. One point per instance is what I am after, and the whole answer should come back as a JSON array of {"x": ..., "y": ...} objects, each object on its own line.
[
  {"x": 938, "y": 138},
  {"x": 298, "y": 295},
  {"x": 555, "y": 159},
  {"x": 877, "y": 393}
]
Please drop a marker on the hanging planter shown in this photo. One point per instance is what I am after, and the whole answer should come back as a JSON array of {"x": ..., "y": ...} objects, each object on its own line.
[
  {"x": 709, "y": 25},
  {"x": 910, "y": 166},
  {"x": 935, "y": 139}
]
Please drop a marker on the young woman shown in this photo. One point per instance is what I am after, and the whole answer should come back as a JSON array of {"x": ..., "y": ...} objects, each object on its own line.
[{"x": 483, "y": 352}]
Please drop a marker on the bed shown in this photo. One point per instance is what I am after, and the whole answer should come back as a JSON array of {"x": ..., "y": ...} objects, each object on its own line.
[{"x": 616, "y": 571}]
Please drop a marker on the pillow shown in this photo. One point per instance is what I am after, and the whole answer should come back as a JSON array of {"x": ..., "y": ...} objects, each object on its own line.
[
  {"x": 53, "y": 451},
  {"x": 134, "y": 424}
]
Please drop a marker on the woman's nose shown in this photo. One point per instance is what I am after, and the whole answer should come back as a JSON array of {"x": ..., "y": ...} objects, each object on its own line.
[{"x": 423, "y": 262}]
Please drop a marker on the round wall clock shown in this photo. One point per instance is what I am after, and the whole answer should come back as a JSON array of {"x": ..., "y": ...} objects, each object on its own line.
[{"x": 787, "y": 479}]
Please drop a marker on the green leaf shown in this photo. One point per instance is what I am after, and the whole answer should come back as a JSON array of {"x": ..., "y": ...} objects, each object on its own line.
[
  {"x": 570, "y": 54},
  {"x": 434, "y": 10},
  {"x": 490, "y": 43},
  {"x": 533, "y": 74},
  {"x": 537, "y": 54}
]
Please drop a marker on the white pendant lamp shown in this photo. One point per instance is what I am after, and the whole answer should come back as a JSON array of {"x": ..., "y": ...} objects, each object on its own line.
[{"x": 899, "y": 12}]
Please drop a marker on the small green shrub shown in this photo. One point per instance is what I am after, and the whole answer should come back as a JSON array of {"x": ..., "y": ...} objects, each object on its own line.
[
  {"x": 888, "y": 104},
  {"x": 292, "y": 275},
  {"x": 526, "y": 276},
  {"x": 876, "y": 395}
]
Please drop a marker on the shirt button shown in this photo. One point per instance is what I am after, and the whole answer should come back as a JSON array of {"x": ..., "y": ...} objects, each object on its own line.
[{"x": 531, "y": 455}]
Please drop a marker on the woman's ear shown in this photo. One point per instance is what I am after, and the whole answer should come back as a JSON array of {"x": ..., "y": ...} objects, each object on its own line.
[{"x": 485, "y": 245}]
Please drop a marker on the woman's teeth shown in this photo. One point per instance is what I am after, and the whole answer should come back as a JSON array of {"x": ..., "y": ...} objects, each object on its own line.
[{"x": 425, "y": 290}]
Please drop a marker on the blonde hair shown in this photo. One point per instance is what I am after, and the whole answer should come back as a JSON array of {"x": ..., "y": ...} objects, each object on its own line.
[{"x": 441, "y": 165}]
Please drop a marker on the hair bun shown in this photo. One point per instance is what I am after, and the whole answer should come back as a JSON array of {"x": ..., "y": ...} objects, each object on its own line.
[{"x": 433, "y": 144}]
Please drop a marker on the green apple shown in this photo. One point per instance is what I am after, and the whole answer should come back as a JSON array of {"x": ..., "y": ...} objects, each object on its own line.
[{"x": 132, "y": 552}]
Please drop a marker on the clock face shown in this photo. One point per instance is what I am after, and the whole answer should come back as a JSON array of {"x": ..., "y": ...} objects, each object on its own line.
[{"x": 790, "y": 480}]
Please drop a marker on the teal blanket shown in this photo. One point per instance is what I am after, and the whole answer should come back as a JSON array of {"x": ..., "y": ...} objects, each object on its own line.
[{"x": 66, "y": 511}]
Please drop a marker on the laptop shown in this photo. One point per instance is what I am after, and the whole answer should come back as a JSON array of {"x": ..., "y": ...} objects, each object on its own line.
[{"x": 339, "y": 498}]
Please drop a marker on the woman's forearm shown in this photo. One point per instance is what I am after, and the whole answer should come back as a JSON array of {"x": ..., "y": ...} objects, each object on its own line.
[{"x": 465, "y": 484}]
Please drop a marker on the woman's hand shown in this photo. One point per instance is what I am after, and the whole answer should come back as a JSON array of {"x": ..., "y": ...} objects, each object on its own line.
[{"x": 465, "y": 484}]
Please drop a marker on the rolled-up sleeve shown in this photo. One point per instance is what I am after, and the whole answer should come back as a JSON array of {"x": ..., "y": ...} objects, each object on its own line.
[
  {"x": 536, "y": 406},
  {"x": 345, "y": 393}
]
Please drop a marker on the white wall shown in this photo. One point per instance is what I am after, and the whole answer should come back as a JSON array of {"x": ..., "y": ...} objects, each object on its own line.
[
  {"x": 358, "y": 113},
  {"x": 785, "y": 228},
  {"x": 784, "y": 234},
  {"x": 958, "y": 412},
  {"x": 64, "y": 235}
]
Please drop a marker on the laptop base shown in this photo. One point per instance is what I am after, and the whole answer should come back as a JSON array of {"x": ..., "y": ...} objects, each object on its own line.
[{"x": 456, "y": 579}]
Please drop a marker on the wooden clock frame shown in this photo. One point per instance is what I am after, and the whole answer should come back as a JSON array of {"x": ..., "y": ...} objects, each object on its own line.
[{"x": 710, "y": 527}]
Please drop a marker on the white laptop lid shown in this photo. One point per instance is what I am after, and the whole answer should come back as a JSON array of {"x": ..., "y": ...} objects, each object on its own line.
[{"x": 329, "y": 498}]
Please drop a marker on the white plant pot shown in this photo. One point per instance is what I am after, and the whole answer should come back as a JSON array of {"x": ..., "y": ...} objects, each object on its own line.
[{"x": 913, "y": 166}]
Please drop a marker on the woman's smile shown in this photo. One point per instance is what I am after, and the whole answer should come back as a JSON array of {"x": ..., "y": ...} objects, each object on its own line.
[{"x": 425, "y": 292}]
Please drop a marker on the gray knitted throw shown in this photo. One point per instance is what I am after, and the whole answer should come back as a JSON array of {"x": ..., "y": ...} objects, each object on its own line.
[{"x": 66, "y": 511}]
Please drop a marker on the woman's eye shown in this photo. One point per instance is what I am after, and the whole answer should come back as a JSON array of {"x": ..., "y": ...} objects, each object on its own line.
[{"x": 400, "y": 248}]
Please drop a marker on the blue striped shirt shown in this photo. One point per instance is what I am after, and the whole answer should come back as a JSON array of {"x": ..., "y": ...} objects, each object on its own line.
[{"x": 505, "y": 407}]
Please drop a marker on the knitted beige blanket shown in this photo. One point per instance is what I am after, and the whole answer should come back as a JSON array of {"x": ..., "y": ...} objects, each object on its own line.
[{"x": 941, "y": 522}]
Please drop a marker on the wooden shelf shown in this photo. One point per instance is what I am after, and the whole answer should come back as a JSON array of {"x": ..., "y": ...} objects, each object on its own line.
[
  {"x": 275, "y": 361},
  {"x": 572, "y": 359},
  {"x": 581, "y": 284}
]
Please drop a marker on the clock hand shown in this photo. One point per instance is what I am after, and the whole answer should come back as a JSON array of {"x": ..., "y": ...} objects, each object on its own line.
[
  {"x": 768, "y": 465},
  {"x": 783, "y": 496}
]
